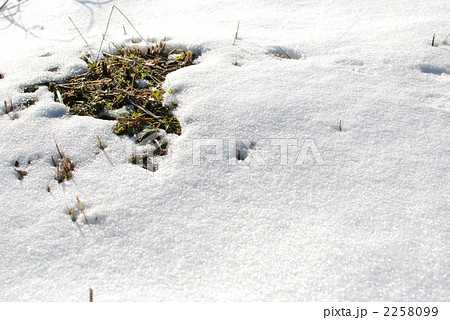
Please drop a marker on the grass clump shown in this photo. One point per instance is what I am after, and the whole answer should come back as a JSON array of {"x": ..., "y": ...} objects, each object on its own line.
[
  {"x": 130, "y": 78},
  {"x": 125, "y": 87}
]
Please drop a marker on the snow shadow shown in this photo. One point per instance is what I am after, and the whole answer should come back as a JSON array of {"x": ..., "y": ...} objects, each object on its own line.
[{"x": 428, "y": 68}]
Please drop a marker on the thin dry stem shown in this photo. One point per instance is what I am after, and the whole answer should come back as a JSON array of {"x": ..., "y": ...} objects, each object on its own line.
[
  {"x": 81, "y": 35},
  {"x": 82, "y": 210},
  {"x": 236, "y": 35}
]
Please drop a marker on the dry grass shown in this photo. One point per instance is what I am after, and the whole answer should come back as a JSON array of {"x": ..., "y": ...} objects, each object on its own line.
[
  {"x": 82, "y": 210},
  {"x": 14, "y": 108},
  {"x": 236, "y": 35},
  {"x": 21, "y": 173},
  {"x": 11, "y": 107},
  {"x": 130, "y": 80},
  {"x": 118, "y": 81},
  {"x": 145, "y": 161},
  {"x": 238, "y": 154},
  {"x": 64, "y": 166},
  {"x": 72, "y": 214}
]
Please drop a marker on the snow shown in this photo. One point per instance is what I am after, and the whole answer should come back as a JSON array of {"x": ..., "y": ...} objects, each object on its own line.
[{"x": 311, "y": 214}]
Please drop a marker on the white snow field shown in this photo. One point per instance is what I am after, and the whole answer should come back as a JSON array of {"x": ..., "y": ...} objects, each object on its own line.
[{"x": 313, "y": 213}]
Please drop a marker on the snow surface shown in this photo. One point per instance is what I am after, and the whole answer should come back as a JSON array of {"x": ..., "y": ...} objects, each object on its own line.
[{"x": 358, "y": 214}]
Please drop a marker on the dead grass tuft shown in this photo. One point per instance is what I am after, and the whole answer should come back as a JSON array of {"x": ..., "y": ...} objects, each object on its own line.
[
  {"x": 130, "y": 78},
  {"x": 64, "y": 166}
]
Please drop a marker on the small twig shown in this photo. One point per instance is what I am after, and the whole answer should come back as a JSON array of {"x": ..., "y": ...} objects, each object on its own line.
[
  {"x": 117, "y": 56},
  {"x": 340, "y": 125},
  {"x": 236, "y": 35},
  {"x": 432, "y": 41},
  {"x": 284, "y": 53},
  {"x": 119, "y": 50},
  {"x": 174, "y": 50},
  {"x": 91, "y": 295},
  {"x": 446, "y": 38},
  {"x": 79, "y": 32},
  {"x": 114, "y": 7},
  {"x": 145, "y": 110},
  {"x": 104, "y": 35}
]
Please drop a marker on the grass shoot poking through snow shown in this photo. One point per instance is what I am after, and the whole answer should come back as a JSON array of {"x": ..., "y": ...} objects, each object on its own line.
[
  {"x": 82, "y": 210},
  {"x": 64, "y": 166},
  {"x": 100, "y": 144}
]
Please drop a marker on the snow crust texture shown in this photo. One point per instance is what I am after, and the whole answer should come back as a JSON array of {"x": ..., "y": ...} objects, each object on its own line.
[{"x": 337, "y": 110}]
